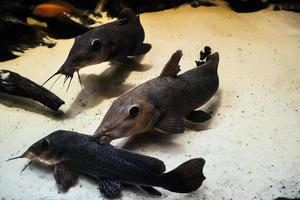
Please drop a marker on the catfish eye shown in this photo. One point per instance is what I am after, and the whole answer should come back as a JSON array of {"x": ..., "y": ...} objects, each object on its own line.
[
  {"x": 96, "y": 44},
  {"x": 133, "y": 110},
  {"x": 45, "y": 143}
]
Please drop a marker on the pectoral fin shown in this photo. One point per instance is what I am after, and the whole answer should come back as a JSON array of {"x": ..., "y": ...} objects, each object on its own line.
[
  {"x": 151, "y": 190},
  {"x": 198, "y": 116},
  {"x": 170, "y": 124},
  {"x": 172, "y": 67},
  {"x": 110, "y": 188},
  {"x": 64, "y": 176},
  {"x": 141, "y": 49}
]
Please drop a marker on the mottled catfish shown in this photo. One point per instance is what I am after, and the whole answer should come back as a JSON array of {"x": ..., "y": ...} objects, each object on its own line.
[
  {"x": 71, "y": 153},
  {"x": 166, "y": 103},
  {"x": 112, "y": 41}
]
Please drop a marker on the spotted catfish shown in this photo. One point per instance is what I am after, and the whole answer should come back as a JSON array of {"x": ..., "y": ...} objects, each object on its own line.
[
  {"x": 72, "y": 153},
  {"x": 166, "y": 103}
]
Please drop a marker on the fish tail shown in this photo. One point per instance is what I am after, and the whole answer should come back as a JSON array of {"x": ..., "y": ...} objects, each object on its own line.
[
  {"x": 185, "y": 178},
  {"x": 212, "y": 62}
]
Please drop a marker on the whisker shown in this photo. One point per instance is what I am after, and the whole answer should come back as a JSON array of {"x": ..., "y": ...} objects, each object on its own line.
[
  {"x": 69, "y": 83},
  {"x": 80, "y": 81},
  {"x": 56, "y": 73},
  {"x": 14, "y": 158},
  {"x": 55, "y": 81},
  {"x": 26, "y": 166},
  {"x": 66, "y": 78}
]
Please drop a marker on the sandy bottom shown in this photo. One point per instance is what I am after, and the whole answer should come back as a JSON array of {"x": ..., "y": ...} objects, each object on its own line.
[{"x": 251, "y": 144}]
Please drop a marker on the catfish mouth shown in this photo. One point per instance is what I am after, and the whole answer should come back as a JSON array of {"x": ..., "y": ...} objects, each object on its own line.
[
  {"x": 106, "y": 134},
  {"x": 109, "y": 134},
  {"x": 68, "y": 75}
]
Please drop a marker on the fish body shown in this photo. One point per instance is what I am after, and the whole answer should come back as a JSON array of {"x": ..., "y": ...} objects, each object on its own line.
[
  {"x": 182, "y": 94},
  {"x": 14, "y": 84},
  {"x": 52, "y": 9},
  {"x": 113, "y": 41},
  {"x": 64, "y": 12},
  {"x": 73, "y": 153},
  {"x": 110, "y": 40},
  {"x": 164, "y": 103}
]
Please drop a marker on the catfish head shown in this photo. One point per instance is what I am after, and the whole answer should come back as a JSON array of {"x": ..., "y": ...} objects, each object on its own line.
[
  {"x": 127, "y": 116},
  {"x": 88, "y": 49},
  {"x": 51, "y": 149}
]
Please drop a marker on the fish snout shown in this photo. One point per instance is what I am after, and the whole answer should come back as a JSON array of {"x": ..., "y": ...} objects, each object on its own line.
[
  {"x": 101, "y": 131},
  {"x": 67, "y": 69},
  {"x": 29, "y": 155},
  {"x": 105, "y": 134}
]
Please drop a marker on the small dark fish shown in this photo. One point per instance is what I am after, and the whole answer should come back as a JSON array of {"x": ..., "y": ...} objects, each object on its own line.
[
  {"x": 16, "y": 36},
  {"x": 113, "y": 7},
  {"x": 71, "y": 153},
  {"x": 197, "y": 3},
  {"x": 166, "y": 103},
  {"x": 109, "y": 42},
  {"x": 287, "y": 5},
  {"x": 245, "y": 6},
  {"x": 13, "y": 84},
  {"x": 203, "y": 55}
]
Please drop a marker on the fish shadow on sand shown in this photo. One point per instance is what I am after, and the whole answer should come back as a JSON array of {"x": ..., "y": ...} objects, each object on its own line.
[
  {"x": 30, "y": 106},
  {"x": 161, "y": 141},
  {"x": 108, "y": 84}
]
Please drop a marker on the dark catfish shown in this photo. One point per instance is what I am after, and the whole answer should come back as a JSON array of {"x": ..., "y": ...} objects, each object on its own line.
[
  {"x": 112, "y": 41},
  {"x": 166, "y": 103},
  {"x": 14, "y": 84},
  {"x": 71, "y": 153}
]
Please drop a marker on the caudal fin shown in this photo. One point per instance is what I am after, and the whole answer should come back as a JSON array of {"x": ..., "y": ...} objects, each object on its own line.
[
  {"x": 185, "y": 178},
  {"x": 212, "y": 62}
]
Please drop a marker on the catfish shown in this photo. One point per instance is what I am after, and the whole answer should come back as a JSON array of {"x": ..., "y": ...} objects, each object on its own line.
[
  {"x": 12, "y": 83},
  {"x": 72, "y": 153},
  {"x": 113, "y": 41},
  {"x": 166, "y": 103}
]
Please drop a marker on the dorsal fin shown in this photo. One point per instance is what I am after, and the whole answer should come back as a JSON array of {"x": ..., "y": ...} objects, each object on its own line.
[
  {"x": 122, "y": 21},
  {"x": 126, "y": 15},
  {"x": 172, "y": 67}
]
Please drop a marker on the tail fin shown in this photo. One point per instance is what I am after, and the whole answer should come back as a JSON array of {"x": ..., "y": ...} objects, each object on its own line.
[
  {"x": 212, "y": 62},
  {"x": 185, "y": 178}
]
